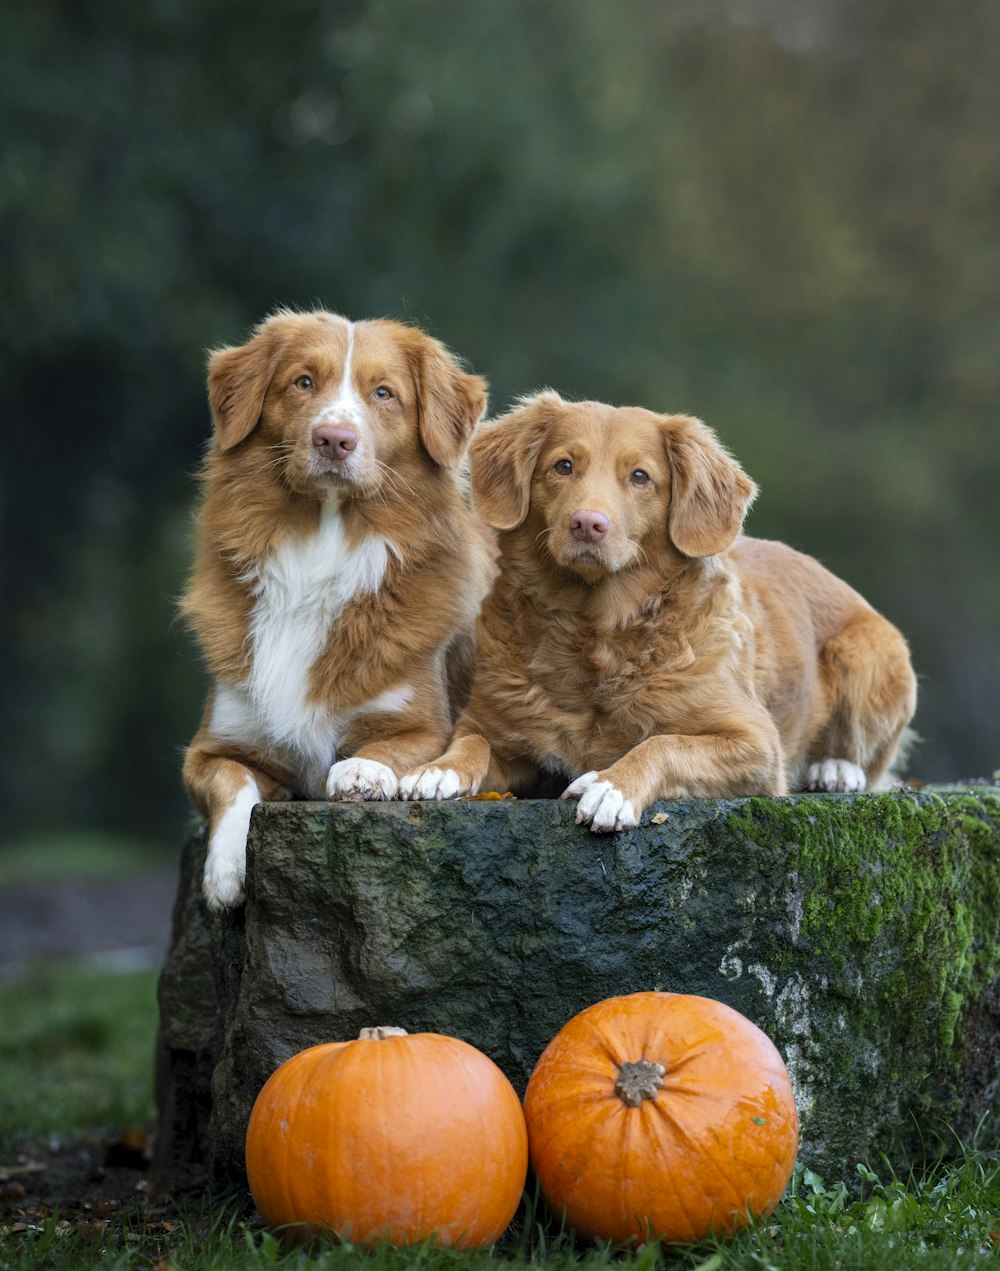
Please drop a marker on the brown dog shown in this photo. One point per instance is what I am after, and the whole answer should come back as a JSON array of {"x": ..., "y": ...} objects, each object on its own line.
[
  {"x": 338, "y": 567},
  {"x": 635, "y": 643}
]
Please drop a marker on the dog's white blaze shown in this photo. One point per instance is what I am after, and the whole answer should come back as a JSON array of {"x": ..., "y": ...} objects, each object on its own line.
[
  {"x": 347, "y": 404},
  {"x": 225, "y": 864},
  {"x": 299, "y": 592},
  {"x": 346, "y": 407}
]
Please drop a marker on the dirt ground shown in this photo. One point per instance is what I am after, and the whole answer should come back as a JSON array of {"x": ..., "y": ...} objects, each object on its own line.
[
  {"x": 88, "y": 1187},
  {"x": 94, "y": 1189}
]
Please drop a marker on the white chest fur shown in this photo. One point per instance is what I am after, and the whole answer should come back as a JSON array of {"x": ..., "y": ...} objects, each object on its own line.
[{"x": 299, "y": 592}]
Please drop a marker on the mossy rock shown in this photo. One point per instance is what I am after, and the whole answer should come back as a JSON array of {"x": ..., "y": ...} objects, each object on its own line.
[{"x": 861, "y": 932}]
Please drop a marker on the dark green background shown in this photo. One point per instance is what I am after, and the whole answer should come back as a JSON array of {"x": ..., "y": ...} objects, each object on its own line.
[{"x": 781, "y": 215}]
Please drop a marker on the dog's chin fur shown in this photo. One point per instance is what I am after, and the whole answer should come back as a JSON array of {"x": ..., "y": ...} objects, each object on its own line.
[
  {"x": 593, "y": 564},
  {"x": 700, "y": 664},
  {"x": 340, "y": 483},
  {"x": 327, "y": 592}
]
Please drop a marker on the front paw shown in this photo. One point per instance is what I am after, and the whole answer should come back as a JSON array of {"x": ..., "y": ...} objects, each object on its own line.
[
  {"x": 431, "y": 782},
  {"x": 354, "y": 780},
  {"x": 222, "y": 884},
  {"x": 602, "y": 805},
  {"x": 836, "y": 774}
]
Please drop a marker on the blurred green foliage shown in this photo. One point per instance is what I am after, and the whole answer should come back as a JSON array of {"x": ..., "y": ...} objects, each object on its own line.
[{"x": 778, "y": 214}]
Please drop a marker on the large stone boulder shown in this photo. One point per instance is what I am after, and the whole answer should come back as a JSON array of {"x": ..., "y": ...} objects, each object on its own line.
[{"x": 862, "y": 933}]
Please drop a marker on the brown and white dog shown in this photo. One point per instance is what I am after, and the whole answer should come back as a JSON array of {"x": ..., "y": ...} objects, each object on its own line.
[
  {"x": 338, "y": 567},
  {"x": 635, "y": 643}
]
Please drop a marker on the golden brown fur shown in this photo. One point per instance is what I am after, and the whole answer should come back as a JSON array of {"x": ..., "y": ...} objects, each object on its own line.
[
  {"x": 634, "y": 642},
  {"x": 331, "y": 585}
]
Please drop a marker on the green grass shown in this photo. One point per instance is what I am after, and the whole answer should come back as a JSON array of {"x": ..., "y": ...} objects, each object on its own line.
[
  {"x": 76, "y": 1055},
  {"x": 76, "y": 1052},
  {"x": 940, "y": 1223}
]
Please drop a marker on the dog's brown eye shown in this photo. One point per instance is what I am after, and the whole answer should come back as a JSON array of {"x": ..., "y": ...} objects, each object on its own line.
[
  {"x": 304, "y": 382},
  {"x": 382, "y": 393},
  {"x": 563, "y": 466},
  {"x": 639, "y": 477}
]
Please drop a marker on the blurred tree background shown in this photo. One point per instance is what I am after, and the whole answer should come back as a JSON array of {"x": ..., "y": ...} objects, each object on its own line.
[{"x": 781, "y": 215}]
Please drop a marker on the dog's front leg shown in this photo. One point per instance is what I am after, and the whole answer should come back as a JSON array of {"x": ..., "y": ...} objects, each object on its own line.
[
  {"x": 225, "y": 791},
  {"x": 709, "y": 766}
]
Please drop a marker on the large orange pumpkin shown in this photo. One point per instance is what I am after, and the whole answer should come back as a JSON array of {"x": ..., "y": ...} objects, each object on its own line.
[
  {"x": 661, "y": 1114},
  {"x": 395, "y": 1136}
]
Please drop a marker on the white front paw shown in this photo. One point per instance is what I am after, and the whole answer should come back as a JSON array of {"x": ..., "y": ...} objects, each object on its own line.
[
  {"x": 836, "y": 774},
  {"x": 357, "y": 779},
  {"x": 226, "y": 860},
  {"x": 432, "y": 783},
  {"x": 222, "y": 885},
  {"x": 602, "y": 805}
]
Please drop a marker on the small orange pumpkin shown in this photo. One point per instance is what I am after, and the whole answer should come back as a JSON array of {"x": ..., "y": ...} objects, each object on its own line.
[
  {"x": 395, "y": 1136},
  {"x": 661, "y": 1115}
]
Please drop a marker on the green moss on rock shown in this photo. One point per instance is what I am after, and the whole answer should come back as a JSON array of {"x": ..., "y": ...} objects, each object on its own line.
[{"x": 901, "y": 897}]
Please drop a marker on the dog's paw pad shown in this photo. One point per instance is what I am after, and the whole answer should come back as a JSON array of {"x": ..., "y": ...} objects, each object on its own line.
[
  {"x": 836, "y": 774},
  {"x": 361, "y": 779}
]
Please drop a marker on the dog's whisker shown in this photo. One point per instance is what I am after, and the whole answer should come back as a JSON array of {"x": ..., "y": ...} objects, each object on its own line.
[
  {"x": 284, "y": 450},
  {"x": 274, "y": 466},
  {"x": 395, "y": 478},
  {"x": 546, "y": 533}
]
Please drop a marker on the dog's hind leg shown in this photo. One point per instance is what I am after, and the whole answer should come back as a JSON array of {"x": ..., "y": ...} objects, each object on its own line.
[{"x": 871, "y": 692}]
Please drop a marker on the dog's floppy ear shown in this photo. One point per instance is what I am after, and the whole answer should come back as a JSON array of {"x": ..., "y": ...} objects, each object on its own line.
[
  {"x": 710, "y": 492},
  {"x": 238, "y": 380},
  {"x": 504, "y": 454},
  {"x": 449, "y": 401}
]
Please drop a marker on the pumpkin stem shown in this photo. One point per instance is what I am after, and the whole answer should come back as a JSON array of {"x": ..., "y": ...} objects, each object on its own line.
[
  {"x": 639, "y": 1081},
  {"x": 380, "y": 1032}
]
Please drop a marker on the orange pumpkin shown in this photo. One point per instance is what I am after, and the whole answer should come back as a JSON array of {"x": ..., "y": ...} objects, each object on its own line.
[
  {"x": 395, "y": 1136},
  {"x": 660, "y": 1114}
]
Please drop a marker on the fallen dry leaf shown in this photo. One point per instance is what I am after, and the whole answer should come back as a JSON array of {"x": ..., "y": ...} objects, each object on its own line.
[
  {"x": 491, "y": 794},
  {"x": 659, "y": 818}
]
